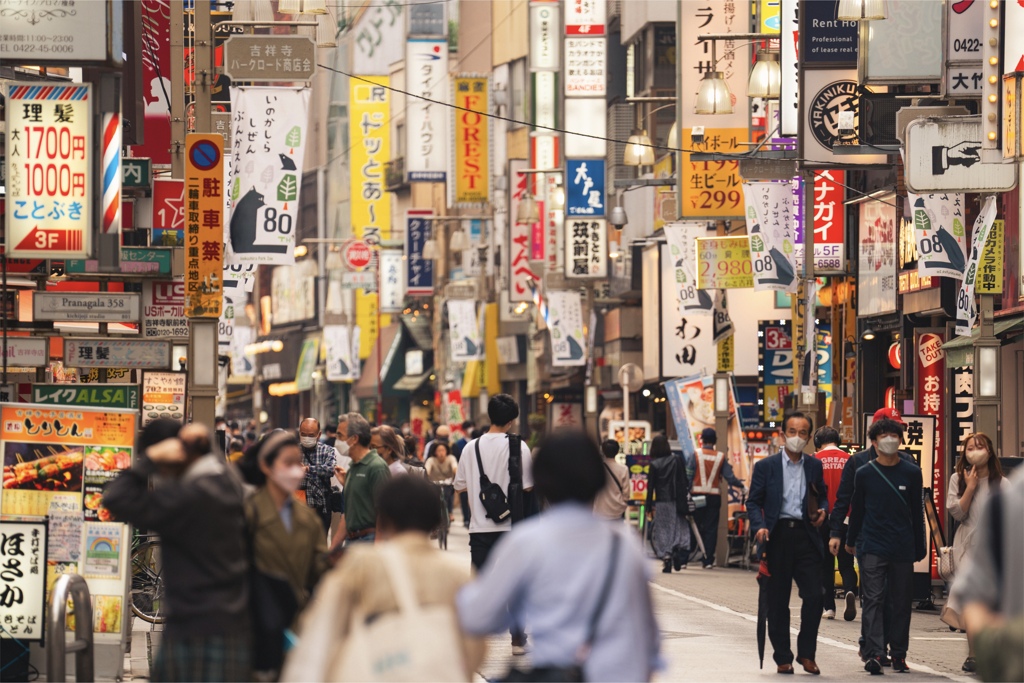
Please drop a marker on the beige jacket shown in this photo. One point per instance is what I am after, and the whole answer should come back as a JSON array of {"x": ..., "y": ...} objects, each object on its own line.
[
  {"x": 611, "y": 501},
  {"x": 359, "y": 580}
]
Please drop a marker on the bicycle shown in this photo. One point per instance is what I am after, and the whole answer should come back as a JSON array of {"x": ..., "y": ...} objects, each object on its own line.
[{"x": 147, "y": 592}]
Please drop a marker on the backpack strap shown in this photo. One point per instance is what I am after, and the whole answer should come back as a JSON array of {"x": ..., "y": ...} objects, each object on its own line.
[{"x": 602, "y": 600}]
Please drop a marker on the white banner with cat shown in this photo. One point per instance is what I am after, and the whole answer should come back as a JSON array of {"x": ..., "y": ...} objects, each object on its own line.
[
  {"x": 769, "y": 210},
  {"x": 268, "y": 128},
  {"x": 342, "y": 345},
  {"x": 464, "y": 330},
  {"x": 565, "y": 318},
  {"x": 939, "y": 234}
]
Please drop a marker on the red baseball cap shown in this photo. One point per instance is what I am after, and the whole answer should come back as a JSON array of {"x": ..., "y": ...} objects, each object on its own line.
[{"x": 888, "y": 413}]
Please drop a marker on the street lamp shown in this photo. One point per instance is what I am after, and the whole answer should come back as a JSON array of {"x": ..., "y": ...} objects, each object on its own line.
[
  {"x": 766, "y": 76},
  {"x": 458, "y": 240},
  {"x": 527, "y": 210},
  {"x": 713, "y": 97},
  {"x": 861, "y": 10},
  {"x": 638, "y": 150}
]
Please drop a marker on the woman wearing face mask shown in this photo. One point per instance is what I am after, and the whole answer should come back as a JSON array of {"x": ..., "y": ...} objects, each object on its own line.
[
  {"x": 286, "y": 537},
  {"x": 977, "y": 474}
]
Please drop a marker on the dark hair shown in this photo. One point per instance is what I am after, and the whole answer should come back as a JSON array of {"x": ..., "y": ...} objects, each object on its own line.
[
  {"x": 412, "y": 442},
  {"x": 480, "y": 431},
  {"x": 884, "y": 426},
  {"x": 438, "y": 444},
  {"x": 794, "y": 416},
  {"x": 271, "y": 446},
  {"x": 995, "y": 469},
  {"x": 610, "y": 448},
  {"x": 357, "y": 426},
  {"x": 156, "y": 431},
  {"x": 567, "y": 467},
  {"x": 659, "y": 447},
  {"x": 502, "y": 409},
  {"x": 708, "y": 437},
  {"x": 331, "y": 427},
  {"x": 409, "y": 504},
  {"x": 236, "y": 445},
  {"x": 467, "y": 425},
  {"x": 826, "y": 435}
]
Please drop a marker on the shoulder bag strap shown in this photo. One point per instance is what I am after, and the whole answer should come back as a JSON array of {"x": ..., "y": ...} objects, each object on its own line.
[
  {"x": 602, "y": 600},
  {"x": 401, "y": 579},
  {"x": 997, "y": 536},
  {"x": 484, "y": 480},
  {"x": 895, "y": 490}
]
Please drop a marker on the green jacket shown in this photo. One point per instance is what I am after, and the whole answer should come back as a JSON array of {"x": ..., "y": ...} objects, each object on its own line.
[{"x": 362, "y": 482}]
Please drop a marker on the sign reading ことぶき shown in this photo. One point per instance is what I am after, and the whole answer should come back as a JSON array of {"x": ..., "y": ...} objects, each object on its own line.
[
  {"x": 49, "y": 172},
  {"x": 204, "y": 225}
]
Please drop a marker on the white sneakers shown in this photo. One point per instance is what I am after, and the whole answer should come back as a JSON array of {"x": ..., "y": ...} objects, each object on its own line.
[{"x": 829, "y": 614}]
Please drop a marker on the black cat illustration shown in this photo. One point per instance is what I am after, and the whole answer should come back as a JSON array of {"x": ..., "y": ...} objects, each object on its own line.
[
  {"x": 244, "y": 218},
  {"x": 575, "y": 350},
  {"x": 287, "y": 163},
  {"x": 470, "y": 347}
]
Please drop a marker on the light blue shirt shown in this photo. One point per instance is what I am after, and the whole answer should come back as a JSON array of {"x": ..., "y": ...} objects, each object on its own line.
[
  {"x": 794, "y": 487},
  {"x": 286, "y": 514},
  {"x": 549, "y": 572}
]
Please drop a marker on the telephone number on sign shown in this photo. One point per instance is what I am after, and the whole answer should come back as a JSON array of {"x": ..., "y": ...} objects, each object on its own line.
[{"x": 45, "y": 49}]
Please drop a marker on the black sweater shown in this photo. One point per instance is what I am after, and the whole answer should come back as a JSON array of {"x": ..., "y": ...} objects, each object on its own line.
[{"x": 885, "y": 522}]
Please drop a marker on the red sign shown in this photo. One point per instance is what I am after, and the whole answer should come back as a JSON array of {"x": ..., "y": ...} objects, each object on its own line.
[
  {"x": 931, "y": 391},
  {"x": 829, "y": 219},
  {"x": 584, "y": 30},
  {"x": 51, "y": 240},
  {"x": 358, "y": 254},
  {"x": 168, "y": 204}
]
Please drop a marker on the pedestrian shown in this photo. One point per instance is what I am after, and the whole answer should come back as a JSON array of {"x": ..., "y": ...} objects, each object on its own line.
[
  {"x": 197, "y": 509},
  {"x": 441, "y": 470},
  {"x": 887, "y": 530},
  {"x": 236, "y": 450},
  {"x": 287, "y": 542},
  {"x": 668, "y": 501},
  {"x": 362, "y": 480},
  {"x": 613, "y": 498},
  {"x": 441, "y": 435},
  {"x": 465, "y": 434},
  {"x": 320, "y": 462},
  {"x": 361, "y": 589},
  {"x": 388, "y": 446},
  {"x": 989, "y": 586},
  {"x": 330, "y": 434},
  {"x": 711, "y": 467},
  {"x": 841, "y": 510},
  {"x": 579, "y": 582},
  {"x": 978, "y": 474},
  {"x": 412, "y": 445},
  {"x": 486, "y": 469},
  {"x": 833, "y": 459},
  {"x": 787, "y": 504}
]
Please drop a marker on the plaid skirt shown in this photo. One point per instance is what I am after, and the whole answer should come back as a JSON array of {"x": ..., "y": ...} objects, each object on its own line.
[{"x": 212, "y": 658}]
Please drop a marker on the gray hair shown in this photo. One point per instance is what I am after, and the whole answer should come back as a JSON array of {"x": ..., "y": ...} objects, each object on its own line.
[{"x": 357, "y": 427}]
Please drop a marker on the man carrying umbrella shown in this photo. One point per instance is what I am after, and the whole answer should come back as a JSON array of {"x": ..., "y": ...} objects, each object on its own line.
[{"x": 787, "y": 503}]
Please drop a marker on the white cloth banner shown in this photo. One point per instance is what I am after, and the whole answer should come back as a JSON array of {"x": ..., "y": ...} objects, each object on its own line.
[
  {"x": 682, "y": 246},
  {"x": 966, "y": 310},
  {"x": 769, "y": 208},
  {"x": 243, "y": 366},
  {"x": 565, "y": 319},
  {"x": 464, "y": 330},
  {"x": 939, "y": 234},
  {"x": 723, "y": 327},
  {"x": 342, "y": 358},
  {"x": 269, "y": 129},
  {"x": 426, "y": 117}
]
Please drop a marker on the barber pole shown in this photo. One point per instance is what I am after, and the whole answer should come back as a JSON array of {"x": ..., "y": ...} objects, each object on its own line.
[{"x": 111, "y": 173}]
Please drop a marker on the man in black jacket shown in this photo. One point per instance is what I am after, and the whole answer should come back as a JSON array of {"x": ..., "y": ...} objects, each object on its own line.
[{"x": 196, "y": 507}]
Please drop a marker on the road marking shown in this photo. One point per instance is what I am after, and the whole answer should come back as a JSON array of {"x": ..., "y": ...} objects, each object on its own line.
[
  {"x": 961, "y": 639},
  {"x": 821, "y": 639}
]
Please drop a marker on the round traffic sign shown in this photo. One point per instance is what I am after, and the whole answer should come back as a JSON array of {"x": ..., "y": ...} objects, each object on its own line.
[
  {"x": 358, "y": 254},
  {"x": 204, "y": 154}
]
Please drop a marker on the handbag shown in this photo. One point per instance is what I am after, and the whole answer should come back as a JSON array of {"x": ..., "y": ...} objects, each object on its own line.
[
  {"x": 574, "y": 672},
  {"x": 416, "y": 643},
  {"x": 491, "y": 495},
  {"x": 946, "y": 563}
]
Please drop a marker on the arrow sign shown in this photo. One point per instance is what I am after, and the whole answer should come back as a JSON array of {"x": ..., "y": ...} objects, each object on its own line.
[{"x": 51, "y": 240}]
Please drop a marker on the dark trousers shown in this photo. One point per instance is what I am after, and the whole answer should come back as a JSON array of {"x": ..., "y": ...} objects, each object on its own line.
[
  {"x": 828, "y": 571},
  {"x": 884, "y": 581},
  {"x": 325, "y": 518},
  {"x": 792, "y": 556},
  {"x": 707, "y": 525},
  {"x": 480, "y": 546},
  {"x": 466, "y": 512}
]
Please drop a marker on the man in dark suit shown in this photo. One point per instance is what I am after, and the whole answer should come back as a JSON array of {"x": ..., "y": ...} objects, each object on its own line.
[{"x": 788, "y": 501}]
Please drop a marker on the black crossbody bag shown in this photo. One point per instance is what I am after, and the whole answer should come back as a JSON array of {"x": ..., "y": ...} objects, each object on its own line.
[{"x": 491, "y": 495}]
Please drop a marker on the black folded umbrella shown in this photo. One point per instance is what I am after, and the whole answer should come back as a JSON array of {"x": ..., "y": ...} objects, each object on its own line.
[{"x": 762, "y": 604}]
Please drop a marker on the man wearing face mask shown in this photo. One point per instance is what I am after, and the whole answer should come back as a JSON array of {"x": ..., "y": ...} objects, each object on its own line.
[
  {"x": 887, "y": 530},
  {"x": 841, "y": 509},
  {"x": 320, "y": 460},
  {"x": 787, "y": 504}
]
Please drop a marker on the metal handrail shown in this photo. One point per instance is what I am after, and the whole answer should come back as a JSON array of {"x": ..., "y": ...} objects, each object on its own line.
[{"x": 57, "y": 648}]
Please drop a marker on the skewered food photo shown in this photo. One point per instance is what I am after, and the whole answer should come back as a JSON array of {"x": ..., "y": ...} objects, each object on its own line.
[{"x": 40, "y": 467}]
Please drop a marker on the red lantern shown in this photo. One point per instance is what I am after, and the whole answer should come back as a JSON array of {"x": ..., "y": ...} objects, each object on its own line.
[{"x": 895, "y": 356}]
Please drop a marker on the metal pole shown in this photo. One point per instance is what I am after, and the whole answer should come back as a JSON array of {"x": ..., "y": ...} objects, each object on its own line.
[
  {"x": 986, "y": 408},
  {"x": 721, "y": 548},
  {"x": 808, "y": 402},
  {"x": 56, "y": 649},
  {"x": 177, "y": 89},
  {"x": 626, "y": 441},
  {"x": 679, "y": 113}
]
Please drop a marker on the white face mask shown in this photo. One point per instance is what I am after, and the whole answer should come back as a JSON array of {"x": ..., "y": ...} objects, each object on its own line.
[
  {"x": 977, "y": 456},
  {"x": 795, "y": 444},
  {"x": 341, "y": 445},
  {"x": 307, "y": 441},
  {"x": 288, "y": 478},
  {"x": 888, "y": 445}
]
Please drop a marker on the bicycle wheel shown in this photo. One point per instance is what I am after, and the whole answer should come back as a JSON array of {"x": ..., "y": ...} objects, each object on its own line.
[{"x": 147, "y": 594}]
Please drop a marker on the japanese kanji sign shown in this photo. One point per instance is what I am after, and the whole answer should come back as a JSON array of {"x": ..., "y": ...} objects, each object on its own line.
[
  {"x": 585, "y": 194},
  {"x": 371, "y": 149},
  {"x": 568, "y": 343},
  {"x": 940, "y": 235},
  {"x": 380, "y": 27},
  {"x": 520, "y": 273},
  {"x": 965, "y": 25},
  {"x": 687, "y": 342},
  {"x": 163, "y": 395},
  {"x": 586, "y": 248},
  {"x": 990, "y": 268},
  {"x": 269, "y": 58},
  {"x": 695, "y": 59},
  {"x": 724, "y": 263},
  {"x": 472, "y": 142},
  {"x": 269, "y": 126},
  {"x": 163, "y": 310},
  {"x": 392, "y": 280},
  {"x": 426, "y": 64},
  {"x": 136, "y": 173},
  {"x": 117, "y": 353},
  {"x": 586, "y": 73},
  {"x": 23, "y": 579},
  {"x": 204, "y": 225},
  {"x": 419, "y": 272},
  {"x": 711, "y": 189},
  {"x": 49, "y": 174},
  {"x": 585, "y": 17},
  {"x": 770, "y": 225}
]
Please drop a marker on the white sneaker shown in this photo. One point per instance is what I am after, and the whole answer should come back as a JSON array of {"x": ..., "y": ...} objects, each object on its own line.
[
  {"x": 829, "y": 614},
  {"x": 518, "y": 650}
]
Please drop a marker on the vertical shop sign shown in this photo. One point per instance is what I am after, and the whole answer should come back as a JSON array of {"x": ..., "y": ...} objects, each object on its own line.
[
  {"x": 419, "y": 271},
  {"x": 566, "y": 321},
  {"x": 687, "y": 342},
  {"x": 712, "y": 189},
  {"x": 931, "y": 400},
  {"x": 521, "y": 275},
  {"x": 789, "y": 89},
  {"x": 467, "y": 342},
  {"x": 379, "y": 27},
  {"x": 204, "y": 225},
  {"x": 156, "y": 83},
  {"x": 586, "y": 73},
  {"x": 544, "y": 36},
  {"x": 369, "y": 131},
  {"x": 775, "y": 356},
  {"x": 426, "y": 63},
  {"x": 342, "y": 364},
  {"x": 585, "y": 17},
  {"x": 48, "y": 170},
  {"x": 367, "y": 317},
  {"x": 695, "y": 56},
  {"x": 471, "y": 145},
  {"x": 966, "y": 309},
  {"x": 682, "y": 248},
  {"x": 392, "y": 281},
  {"x": 963, "y": 405},
  {"x": 990, "y": 266},
  {"x": 876, "y": 279},
  {"x": 829, "y": 220},
  {"x": 585, "y": 194},
  {"x": 23, "y": 579},
  {"x": 769, "y": 210},
  {"x": 586, "y": 248}
]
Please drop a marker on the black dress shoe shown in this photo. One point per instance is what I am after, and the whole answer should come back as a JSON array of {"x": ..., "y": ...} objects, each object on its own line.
[{"x": 667, "y": 567}]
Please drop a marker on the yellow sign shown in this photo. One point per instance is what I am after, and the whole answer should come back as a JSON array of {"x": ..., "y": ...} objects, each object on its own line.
[
  {"x": 990, "y": 266},
  {"x": 366, "y": 318},
  {"x": 204, "y": 224},
  {"x": 724, "y": 263},
  {"x": 713, "y": 189},
  {"x": 472, "y": 162},
  {"x": 370, "y": 150},
  {"x": 798, "y": 310},
  {"x": 726, "y": 354},
  {"x": 770, "y": 16}
]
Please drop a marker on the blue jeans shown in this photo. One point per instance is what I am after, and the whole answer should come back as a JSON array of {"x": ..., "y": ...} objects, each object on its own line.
[{"x": 368, "y": 538}]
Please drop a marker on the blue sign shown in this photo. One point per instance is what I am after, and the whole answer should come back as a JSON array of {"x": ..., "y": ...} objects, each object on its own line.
[
  {"x": 419, "y": 271},
  {"x": 584, "y": 191}
]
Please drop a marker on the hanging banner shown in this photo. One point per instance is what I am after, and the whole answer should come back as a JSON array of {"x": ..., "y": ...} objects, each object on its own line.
[
  {"x": 49, "y": 186},
  {"x": 876, "y": 249},
  {"x": 269, "y": 127},
  {"x": 163, "y": 396},
  {"x": 23, "y": 579},
  {"x": 682, "y": 248},
  {"x": 724, "y": 263},
  {"x": 775, "y": 356},
  {"x": 464, "y": 330},
  {"x": 769, "y": 210},
  {"x": 426, "y": 66},
  {"x": 419, "y": 271},
  {"x": 939, "y": 234},
  {"x": 471, "y": 148},
  {"x": 809, "y": 362},
  {"x": 990, "y": 268},
  {"x": 687, "y": 344},
  {"x": 392, "y": 280},
  {"x": 369, "y": 133},
  {"x": 341, "y": 364},
  {"x": 565, "y": 313},
  {"x": 823, "y": 344},
  {"x": 966, "y": 310},
  {"x": 586, "y": 248},
  {"x": 243, "y": 365},
  {"x": 584, "y": 194},
  {"x": 521, "y": 276},
  {"x": 723, "y": 327},
  {"x": 367, "y": 318}
]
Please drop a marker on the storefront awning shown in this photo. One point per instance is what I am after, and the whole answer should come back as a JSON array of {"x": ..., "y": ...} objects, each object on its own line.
[
  {"x": 366, "y": 387},
  {"x": 418, "y": 327},
  {"x": 411, "y": 383},
  {"x": 959, "y": 349}
]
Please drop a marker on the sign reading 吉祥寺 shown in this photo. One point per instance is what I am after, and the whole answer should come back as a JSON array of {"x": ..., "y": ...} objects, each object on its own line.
[
  {"x": 163, "y": 310},
  {"x": 49, "y": 184},
  {"x": 119, "y": 307},
  {"x": 27, "y": 352},
  {"x": 269, "y": 58}
]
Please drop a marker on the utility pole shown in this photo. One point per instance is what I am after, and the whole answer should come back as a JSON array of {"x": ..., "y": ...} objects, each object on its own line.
[{"x": 808, "y": 401}]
